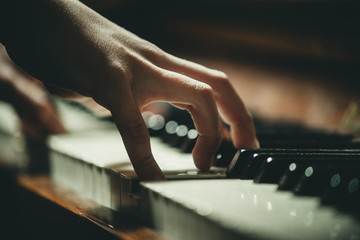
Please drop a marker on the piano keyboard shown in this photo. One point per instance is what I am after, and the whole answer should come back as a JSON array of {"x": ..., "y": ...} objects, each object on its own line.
[{"x": 303, "y": 183}]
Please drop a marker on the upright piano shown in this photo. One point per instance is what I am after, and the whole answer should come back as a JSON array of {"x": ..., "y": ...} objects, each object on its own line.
[{"x": 295, "y": 64}]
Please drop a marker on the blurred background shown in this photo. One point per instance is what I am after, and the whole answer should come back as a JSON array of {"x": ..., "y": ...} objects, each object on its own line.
[{"x": 288, "y": 59}]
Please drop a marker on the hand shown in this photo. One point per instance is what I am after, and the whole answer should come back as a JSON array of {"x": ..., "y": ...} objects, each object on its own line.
[
  {"x": 29, "y": 99},
  {"x": 77, "y": 48}
]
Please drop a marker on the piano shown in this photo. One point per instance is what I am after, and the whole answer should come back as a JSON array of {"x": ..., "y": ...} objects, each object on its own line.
[
  {"x": 276, "y": 192},
  {"x": 304, "y": 181}
]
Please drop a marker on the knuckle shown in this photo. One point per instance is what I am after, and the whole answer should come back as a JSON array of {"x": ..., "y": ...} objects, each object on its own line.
[
  {"x": 205, "y": 92},
  {"x": 203, "y": 88},
  {"x": 221, "y": 75},
  {"x": 151, "y": 51},
  {"x": 190, "y": 108},
  {"x": 134, "y": 58},
  {"x": 222, "y": 81}
]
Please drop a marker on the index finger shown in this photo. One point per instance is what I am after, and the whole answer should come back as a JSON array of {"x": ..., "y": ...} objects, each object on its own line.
[{"x": 135, "y": 135}]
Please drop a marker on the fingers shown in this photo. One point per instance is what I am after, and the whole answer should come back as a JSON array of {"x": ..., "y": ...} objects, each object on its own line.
[
  {"x": 135, "y": 136},
  {"x": 207, "y": 123},
  {"x": 230, "y": 104},
  {"x": 198, "y": 98},
  {"x": 34, "y": 106},
  {"x": 36, "y": 110},
  {"x": 39, "y": 121},
  {"x": 30, "y": 100}
]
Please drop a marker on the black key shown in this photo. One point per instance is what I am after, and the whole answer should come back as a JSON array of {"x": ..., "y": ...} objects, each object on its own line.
[
  {"x": 281, "y": 159},
  {"x": 349, "y": 201},
  {"x": 335, "y": 190},
  {"x": 270, "y": 171},
  {"x": 224, "y": 154},
  {"x": 243, "y": 158},
  {"x": 240, "y": 162},
  {"x": 291, "y": 177},
  {"x": 250, "y": 165},
  {"x": 340, "y": 186},
  {"x": 312, "y": 181},
  {"x": 353, "y": 195},
  {"x": 246, "y": 163}
]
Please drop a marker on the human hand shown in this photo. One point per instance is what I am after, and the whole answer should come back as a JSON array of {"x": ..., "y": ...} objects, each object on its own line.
[
  {"x": 29, "y": 99},
  {"x": 79, "y": 49}
]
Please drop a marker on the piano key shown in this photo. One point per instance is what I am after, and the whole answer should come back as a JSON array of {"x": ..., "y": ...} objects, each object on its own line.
[
  {"x": 224, "y": 154},
  {"x": 291, "y": 177},
  {"x": 273, "y": 170},
  {"x": 350, "y": 197},
  {"x": 339, "y": 186},
  {"x": 317, "y": 178},
  {"x": 241, "y": 160},
  {"x": 312, "y": 181},
  {"x": 256, "y": 161},
  {"x": 260, "y": 202},
  {"x": 326, "y": 160},
  {"x": 246, "y": 163},
  {"x": 333, "y": 191},
  {"x": 353, "y": 195},
  {"x": 269, "y": 172},
  {"x": 247, "y": 210}
]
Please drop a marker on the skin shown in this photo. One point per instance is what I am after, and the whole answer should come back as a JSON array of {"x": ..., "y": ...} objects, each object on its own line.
[
  {"x": 29, "y": 98},
  {"x": 67, "y": 44}
]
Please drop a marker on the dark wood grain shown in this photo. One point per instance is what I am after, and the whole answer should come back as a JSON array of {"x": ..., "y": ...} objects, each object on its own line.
[{"x": 49, "y": 211}]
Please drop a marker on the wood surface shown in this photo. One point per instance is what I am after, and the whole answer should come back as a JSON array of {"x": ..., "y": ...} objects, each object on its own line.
[{"x": 42, "y": 209}]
